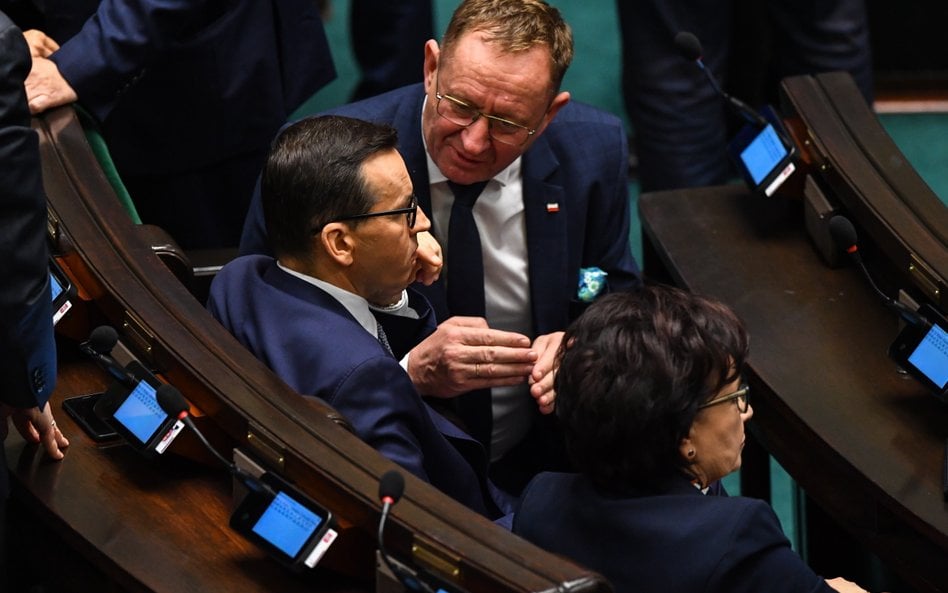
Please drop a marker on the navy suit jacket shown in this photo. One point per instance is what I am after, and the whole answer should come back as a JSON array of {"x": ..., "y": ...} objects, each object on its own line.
[
  {"x": 179, "y": 83},
  {"x": 676, "y": 540},
  {"x": 27, "y": 344},
  {"x": 579, "y": 162},
  {"x": 189, "y": 94},
  {"x": 315, "y": 345}
]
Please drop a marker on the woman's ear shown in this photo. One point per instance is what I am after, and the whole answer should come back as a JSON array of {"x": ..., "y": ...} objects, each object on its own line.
[{"x": 686, "y": 448}]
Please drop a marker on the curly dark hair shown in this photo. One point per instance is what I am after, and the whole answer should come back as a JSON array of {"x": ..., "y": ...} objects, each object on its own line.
[{"x": 633, "y": 370}]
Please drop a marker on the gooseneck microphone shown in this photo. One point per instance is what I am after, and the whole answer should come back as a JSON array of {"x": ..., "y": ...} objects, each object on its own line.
[
  {"x": 391, "y": 488},
  {"x": 99, "y": 347},
  {"x": 844, "y": 236},
  {"x": 690, "y": 48},
  {"x": 174, "y": 404}
]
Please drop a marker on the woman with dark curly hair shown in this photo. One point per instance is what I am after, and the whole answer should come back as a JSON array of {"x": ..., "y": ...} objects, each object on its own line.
[{"x": 650, "y": 396}]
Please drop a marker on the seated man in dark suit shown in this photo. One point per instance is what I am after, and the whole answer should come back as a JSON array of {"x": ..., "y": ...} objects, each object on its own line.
[{"x": 331, "y": 313}]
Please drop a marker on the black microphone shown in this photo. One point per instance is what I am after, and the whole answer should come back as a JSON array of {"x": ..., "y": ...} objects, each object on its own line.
[
  {"x": 844, "y": 236},
  {"x": 99, "y": 346},
  {"x": 690, "y": 48},
  {"x": 174, "y": 404},
  {"x": 391, "y": 488}
]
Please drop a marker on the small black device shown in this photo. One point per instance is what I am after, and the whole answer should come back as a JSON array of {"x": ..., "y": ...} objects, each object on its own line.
[
  {"x": 62, "y": 290},
  {"x": 922, "y": 350},
  {"x": 763, "y": 154},
  {"x": 134, "y": 413},
  {"x": 289, "y": 525},
  {"x": 80, "y": 408}
]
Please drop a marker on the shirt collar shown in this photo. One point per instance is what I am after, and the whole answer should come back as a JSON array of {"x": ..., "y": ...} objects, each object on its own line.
[{"x": 357, "y": 306}]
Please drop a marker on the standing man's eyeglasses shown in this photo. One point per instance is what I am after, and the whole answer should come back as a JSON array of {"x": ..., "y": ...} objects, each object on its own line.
[{"x": 502, "y": 130}]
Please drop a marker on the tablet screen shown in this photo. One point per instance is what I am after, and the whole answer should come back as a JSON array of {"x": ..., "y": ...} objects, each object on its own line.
[
  {"x": 287, "y": 524},
  {"x": 54, "y": 286},
  {"x": 763, "y": 154},
  {"x": 140, "y": 413},
  {"x": 930, "y": 357}
]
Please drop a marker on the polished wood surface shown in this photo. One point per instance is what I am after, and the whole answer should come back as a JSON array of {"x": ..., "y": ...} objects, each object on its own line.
[
  {"x": 240, "y": 404},
  {"x": 865, "y": 441},
  {"x": 146, "y": 524}
]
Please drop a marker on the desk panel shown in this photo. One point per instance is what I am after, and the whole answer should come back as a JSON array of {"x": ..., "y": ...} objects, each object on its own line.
[{"x": 147, "y": 525}]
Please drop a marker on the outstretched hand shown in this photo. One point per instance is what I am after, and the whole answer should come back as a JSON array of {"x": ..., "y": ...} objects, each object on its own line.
[{"x": 463, "y": 355}]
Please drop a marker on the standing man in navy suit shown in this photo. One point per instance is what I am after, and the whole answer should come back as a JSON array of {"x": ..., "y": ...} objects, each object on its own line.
[
  {"x": 189, "y": 95},
  {"x": 27, "y": 347},
  {"x": 554, "y": 208},
  {"x": 331, "y": 314}
]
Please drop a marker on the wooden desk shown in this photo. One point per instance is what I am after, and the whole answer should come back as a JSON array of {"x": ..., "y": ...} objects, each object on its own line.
[
  {"x": 864, "y": 441},
  {"x": 143, "y": 524}
]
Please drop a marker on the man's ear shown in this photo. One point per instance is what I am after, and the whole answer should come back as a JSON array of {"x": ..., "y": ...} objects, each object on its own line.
[
  {"x": 337, "y": 242},
  {"x": 559, "y": 101},
  {"x": 432, "y": 56}
]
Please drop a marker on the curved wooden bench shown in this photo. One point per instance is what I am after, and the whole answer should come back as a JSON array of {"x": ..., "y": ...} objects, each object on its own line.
[{"x": 872, "y": 181}]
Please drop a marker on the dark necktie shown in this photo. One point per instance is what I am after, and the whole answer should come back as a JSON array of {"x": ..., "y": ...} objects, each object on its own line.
[
  {"x": 466, "y": 295},
  {"x": 465, "y": 263}
]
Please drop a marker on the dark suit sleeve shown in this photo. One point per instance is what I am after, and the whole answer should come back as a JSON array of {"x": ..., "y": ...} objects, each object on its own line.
[
  {"x": 27, "y": 348},
  {"x": 759, "y": 558},
  {"x": 122, "y": 39},
  {"x": 377, "y": 398}
]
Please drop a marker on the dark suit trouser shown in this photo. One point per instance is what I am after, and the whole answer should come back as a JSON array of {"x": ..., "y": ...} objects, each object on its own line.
[
  {"x": 679, "y": 122},
  {"x": 388, "y": 40}
]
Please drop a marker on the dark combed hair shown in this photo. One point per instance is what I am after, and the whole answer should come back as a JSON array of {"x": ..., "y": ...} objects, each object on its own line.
[
  {"x": 633, "y": 370},
  {"x": 313, "y": 176}
]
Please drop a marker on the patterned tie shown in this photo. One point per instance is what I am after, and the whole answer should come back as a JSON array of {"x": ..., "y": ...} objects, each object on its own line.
[
  {"x": 383, "y": 338},
  {"x": 466, "y": 295},
  {"x": 465, "y": 263}
]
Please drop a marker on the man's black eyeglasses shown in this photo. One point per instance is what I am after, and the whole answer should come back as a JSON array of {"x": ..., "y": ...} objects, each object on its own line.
[{"x": 411, "y": 211}]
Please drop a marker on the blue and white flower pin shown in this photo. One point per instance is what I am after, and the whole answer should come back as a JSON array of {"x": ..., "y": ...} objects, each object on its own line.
[{"x": 591, "y": 283}]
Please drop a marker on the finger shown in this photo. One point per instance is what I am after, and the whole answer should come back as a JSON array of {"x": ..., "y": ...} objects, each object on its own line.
[
  {"x": 485, "y": 336},
  {"x": 488, "y": 383},
  {"x": 462, "y": 321},
  {"x": 428, "y": 274},
  {"x": 547, "y": 408},
  {"x": 26, "y": 428},
  {"x": 39, "y": 103},
  {"x": 493, "y": 370},
  {"x": 51, "y": 440}
]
